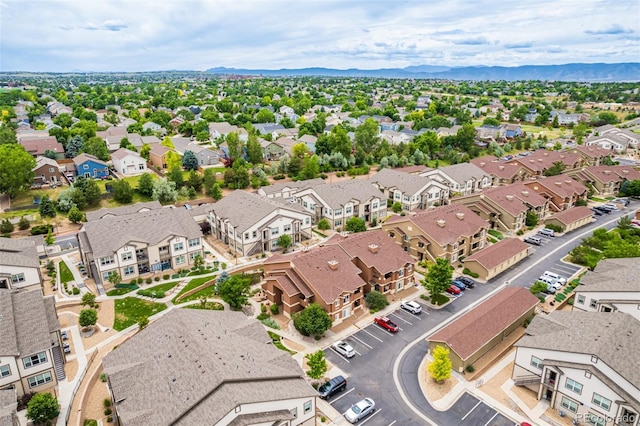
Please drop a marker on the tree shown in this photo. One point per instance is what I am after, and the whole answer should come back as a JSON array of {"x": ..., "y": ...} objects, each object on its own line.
[
  {"x": 75, "y": 215},
  {"x": 265, "y": 116},
  {"x": 285, "y": 242},
  {"x": 16, "y": 169},
  {"x": 317, "y": 365},
  {"x": 323, "y": 224},
  {"x": 24, "y": 223},
  {"x": 145, "y": 184},
  {"x": 538, "y": 287},
  {"x": 234, "y": 145},
  {"x": 143, "y": 322},
  {"x": 215, "y": 192},
  {"x": 397, "y": 207},
  {"x": 254, "y": 150},
  {"x": 440, "y": 367},
  {"x": 376, "y": 300},
  {"x": 49, "y": 240},
  {"x": 92, "y": 193},
  {"x": 6, "y": 227},
  {"x": 51, "y": 154},
  {"x": 532, "y": 219},
  {"x": 195, "y": 180},
  {"x": 7, "y": 135},
  {"x": 145, "y": 150},
  {"x": 355, "y": 224},
  {"x": 74, "y": 146},
  {"x": 164, "y": 191},
  {"x": 312, "y": 320},
  {"x": 122, "y": 192},
  {"x": 630, "y": 188},
  {"x": 114, "y": 278},
  {"x": 438, "y": 278},
  {"x": 556, "y": 169},
  {"x": 310, "y": 168},
  {"x": 88, "y": 299},
  {"x": 47, "y": 209},
  {"x": 189, "y": 160},
  {"x": 366, "y": 135},
  {"x": 88, "y": 318},
  {"x": 175, "y": 176},
  {"x": 198, "y": 261},
  {"x": 235, "y": 291},
  {"x": 43, "y": 408},
  {"x": 96, "y": 147}
]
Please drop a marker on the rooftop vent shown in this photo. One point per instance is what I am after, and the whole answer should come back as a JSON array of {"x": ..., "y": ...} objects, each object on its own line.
[
  {"x": 525, "y": 193},
  {"x": 482, "y": 164},
  {"x": 441, "y": 223},
  {"x": 562, "y": 156},
  {"x": 607, "y": 172},
  {"x": 333, "y": 264},
  {"x": 569, "y": 181},
  {"x": 558, "y": 183},
  {"x": 501, "y": 167},
  {"x": 510, "y": 197},
  {"x": 625, "y": 171},
  {"x": 373, "y": 248},
  {"x": 460, "y": 215},
  {"x": 546, "y": 154},
  {"x": 532, "y": 161},
  {"x": 539, "y": 160}
]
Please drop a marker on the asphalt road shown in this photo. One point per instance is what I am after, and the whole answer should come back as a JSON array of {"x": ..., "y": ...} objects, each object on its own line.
[
  {"x": 67, "y": 241},
  {"x": 371, "y": 372}
]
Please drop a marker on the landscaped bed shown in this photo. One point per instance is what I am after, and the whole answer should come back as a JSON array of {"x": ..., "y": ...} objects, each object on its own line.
[
  {"x": 194, "y": 283},
  {"x": 158, "y": 291},
  {"x": 211, "y": 306},
  {"x": 65, "y": 273},
  {"x": 129, "y": 310}
]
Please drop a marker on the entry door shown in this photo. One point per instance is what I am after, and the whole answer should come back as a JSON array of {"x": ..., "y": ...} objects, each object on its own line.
[{"x": 346, "y": 312}]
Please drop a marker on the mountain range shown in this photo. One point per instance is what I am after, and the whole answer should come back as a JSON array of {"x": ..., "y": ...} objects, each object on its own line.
[{"x": 600, "y": 72}]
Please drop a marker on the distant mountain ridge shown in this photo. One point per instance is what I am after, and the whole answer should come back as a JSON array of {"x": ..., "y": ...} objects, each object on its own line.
[{"x": 600, "y": 72}]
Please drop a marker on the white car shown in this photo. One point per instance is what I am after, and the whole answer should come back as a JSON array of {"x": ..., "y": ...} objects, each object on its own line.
[
  {"x": 610, "y": 206},
  {"x": 344, "y": 349},
  {"x": 562, "y": 280},
  {"x": 411, "y": 306},
  {"x": 360, "y": 410}
]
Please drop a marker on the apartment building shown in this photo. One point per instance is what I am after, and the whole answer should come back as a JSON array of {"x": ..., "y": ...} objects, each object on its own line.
[
  {"x": 605, "y": 180},
  {"x": 462, "y": 178},
  {"x": 502, "y": 172},
  {"x": 411, "y": 191},
  {"x": 562, "y": 192},
  {"x": 19, "y": 264}
]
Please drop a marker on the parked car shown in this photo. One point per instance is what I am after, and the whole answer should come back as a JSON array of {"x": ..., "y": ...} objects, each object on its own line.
[
  {"x": 66, "y": 348},
  {"x": 344, "y": 349},
  {"x": 411, "y": 306},
  {"x": 467, "y": 281},
  {"x": 610, "y": 206},
  {"x": 562, "y": 280},
  {"x": 597, "y": 212},
  {"x": 547, "y": 232},
  {"x": 533, "y": 240},
  {"x": 64, "y": 335},
  {"x": 360, "y": 410},
  {"x": 386, "y": 323},
  {"x": 333, "y": 386},
  {"x": 452, "y": 289},
  {"x": 459, "y": 284},
  {"x": 550, "y": 282},
  {"x": 603, "y": 209},
  {"x": 623, "y": 201}
]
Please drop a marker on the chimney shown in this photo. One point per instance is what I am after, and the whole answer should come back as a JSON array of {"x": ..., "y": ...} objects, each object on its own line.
[
  {"x": 569, "y": 181},
  {"x": 441, "y": 223},
  {"x": 501, "y": 167},
  {"x": 373, "y": 248},
  {"x": 625, "y": 171},
  {"x": 607, "y": 172},
  {"x": 482, "y": 164},
  {"x": 460, "y": 215},
  {"x": 546, "y": 154},
  {"x": 558, "y": 183},
  {"x": 510, "y": 197},
  {"x": 333, "y": 264},
  {"x": 525, "y": 193}
]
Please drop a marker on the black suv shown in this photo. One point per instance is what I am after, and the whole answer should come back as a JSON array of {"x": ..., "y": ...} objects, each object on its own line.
[
  {"x": 333, "y": 386},
  {"x": 467, "y": 281}
]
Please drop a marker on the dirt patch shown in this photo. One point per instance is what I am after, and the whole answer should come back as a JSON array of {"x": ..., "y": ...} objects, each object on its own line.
[
  {"x": 529, "y": 397},
  {"x": 93, "y": 408},
  {"x": 492, "y": 386},
  {"x": 292, "y": 345},
  {"x": 435, "y": 391},
  {"x": 71, "y": 369},
  {"x": 68, "y": 316},
  {"x": 552, "y": 413}
]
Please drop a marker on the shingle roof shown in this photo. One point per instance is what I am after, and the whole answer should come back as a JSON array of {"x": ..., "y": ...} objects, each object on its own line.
[
  {"x": 193, "y": 367},
  {"x": 543, "y": 159},
  {"x": 159, "y": 150},
  {"x": 613, "y": 173},
  {"x": 149, "y": 227},
  {"x": 44, "y": 161},
  {"x": 612, "y": 275},
  {"x": 593, "y": 151},
  {"x": 514, "y": 198},
  {"x": 405, "y": 182},
  {"x": 123, "y": 152},
  {"x": 26, "y": 319},
  {"x": 301, "y": 184},
  {"x": 495, "y": 167},
  {"x": 562, "y": 186},
  {"x": 8, "y": 404},
  {"x": 463, "y": 172},
  {"x": 340, "y": 193},
  {"x": 613, "y": 337},
  {"x": 573, "y": 214},
  {"x": 18, "y": 252},
  {"x": 38, "y": 146},
  {"x": 122, "y": 210},
  {"x": 495, "y": 254},
  {"x": 470, "y": 332},
  {"x": 83, "y": 158}
]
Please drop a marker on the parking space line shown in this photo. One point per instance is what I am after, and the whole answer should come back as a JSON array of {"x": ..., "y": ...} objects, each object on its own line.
[
  {"x": 401, "y": 319},
  {"x": 392, "y": 423},
  {"x": 340, "y": 355},
  {"x": 378, "y": 339},
  {"x": 474, "y": 407},
  {"x": 374, "y": 413},
  {"x": 354, "y": 336},
  {"x": 343, "y": 395},
  {"x": 494, "y": 416}
]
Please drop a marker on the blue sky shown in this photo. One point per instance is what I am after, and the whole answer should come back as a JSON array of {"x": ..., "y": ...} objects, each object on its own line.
[{"x": 136, "y": 35}]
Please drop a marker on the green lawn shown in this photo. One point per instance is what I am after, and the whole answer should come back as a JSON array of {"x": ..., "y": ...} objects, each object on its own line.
[
  {"x": 196, "y": 282},
  {"x": 164, "y": 287},
  {"x": 211, "y": 306},
  {"x": 119, "y": 291},
  {"x": 65, "y": 273},
  {"x": 277, "y": 342},
  {"x": 206, "y": 292},
  {"x": 26, "y": 198},
  {"x": 130, "y": 309}
]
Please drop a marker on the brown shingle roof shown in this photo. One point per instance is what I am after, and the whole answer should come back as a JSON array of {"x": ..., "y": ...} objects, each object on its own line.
[
  {"x": 612, "y": 173},
  {"x": 572, "y": 215},
  {"x": 38, "y": 146},
  {"x": 495, "y": 167},
  {"x": 561, "y": 186},
  {"x": 470, "y": 332},
  {"x": 542, "y": 159},
  {"x": 514, "y": 198},
  {"x": 499, "y": 252}
]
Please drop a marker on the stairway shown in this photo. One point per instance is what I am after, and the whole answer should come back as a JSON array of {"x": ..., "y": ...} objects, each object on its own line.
[{"x": 58, "y": 363}]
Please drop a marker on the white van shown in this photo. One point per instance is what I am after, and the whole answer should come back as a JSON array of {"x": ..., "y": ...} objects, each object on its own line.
[
  {"x": 550, "y": 282},
  {"x": 562, "y": 280},
  {"x": 547, "y": 232}
]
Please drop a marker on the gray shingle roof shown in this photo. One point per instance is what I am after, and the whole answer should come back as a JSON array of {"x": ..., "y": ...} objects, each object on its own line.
[
  {"x": 613, "y": 275},
  {"x": 244, "y": 209},
  {"x": 20, "y": 252},
  {"x": 340, "y": 193},
  {"x": 149, "y": 227},
  {"x": 301, "y": 184},
  {"x": 192, "y": 367},
  {"x": 464, "y": 172},
  {"x": 405, "y": 182},
  {"x": 26, "y": 319},
  {"x": 83, "y": 158},
  {"x": 122, "y": 210},
  {"x": 613, "y": 337}
]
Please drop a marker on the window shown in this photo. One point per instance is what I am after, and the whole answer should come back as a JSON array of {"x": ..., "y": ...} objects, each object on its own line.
[
  {"x": 305, "y": 204},
  {"x": 536, "y": 362},
  {"x": 569, "y": 404},
  {"x": 246, "y": 235},
  {"x": 580, "y": 299},
  {"x": 128, "y": 270},
  {"x": 195, "y": 242},
  {"x": 254, "y": 234},
  {"x": 17, "y": 278},
  {"x": 593, "y": 303},
  {"x": 345, "y": 299},
  {"x": 106, "y": 260},
  {"x": 105, "y": 275},
  {"x": 140, "y": 166},
  {"x": 595, "y": 420},
  {"x": 287, "y": 228},
  {"x": 86, "y": 167},
  {"x": 454, "y": 257},
  {"x": 127, "y": 255},
  {"x": 180, "y": 260},
  {"x": 294, "y": 412},
  {"x": 338, "y": 222},
  {"x": 337, "y": 212},
  {"x": 178, "y": 246},
  {"x": 275, "y": 231},
  {"x": 374, "y": 206},
  {"x": 572, "y": 385},
  {"x": 307, "y": 221},
  {"x": 5, "y": 370},
  {"x": 193, "y": 255},
  {"x": 36, "y": 359},
  {"x": 307, "y": 407},
  {"x": 337, "y": 303},
  {"x": 601, "y": 401},
  {"x": 401, "y": 273},
  {"x": 40, "y": 379},
  {"x": 348, "y": 210}
]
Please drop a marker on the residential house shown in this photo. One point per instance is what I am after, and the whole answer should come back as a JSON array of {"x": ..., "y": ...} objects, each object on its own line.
[
  {"x": 395, "y": 137},
  {"x": 151, "y": 126},
  {"x": 264, "y": 128},
  {"x": 571, "y": 219},
  {"x": 462, "y": 178},
  {"x": 561, "y": 191},
  {"x": 128, "y": 163},
  {"x": 411, "y": 191},
  {"x": 578, "y": 362},
  {"x": 271, "y": 151},
  {"x": 497, "y": 258},
  {"x": 593, "y": 155},
  {"x": 206, "y": 155},
  {"x": 249, "y": 224},
  {"x": 511, "y": 131},
  {"x": 481, "y": 329},
  {"x": 19, "y": 264},
  {"x": 539, "y": 161},
  {"x": 609, "y": 141},
  {"x": 55, "y": 108},
  {"x": 47, "y": 171},
  {"x": 197, "y": 367},
  {"x": 31, "y": 358},
  {"x": 611, "y": 287},
  {"x": 286, "y": 144},
  {"x": 487, "y": 132},
  {"x": 506, "y": 207},
  {"x": 286, "y": 190},
  {"x": 605, "y": 180},
  {"x": 502, "y": 173},
  {"x": 38, "y": 146},
  {"x": 158, "y": 156},
  {"x": 222, "y": 129},
  {"x": 149, "y": 140},
  {"x": 309, "y": 141},
  {"x": 147, "y": 241},
  {"x": 565, "y": 119},
  {"x": 338, "y": 202},
  {"x": 624, "y": 137},
  {"x": 449, "y": 232},
  {"x": 448, "y": 131},
  {"x": 115, "y": 132},
  {"x": 90, "y": 167}
]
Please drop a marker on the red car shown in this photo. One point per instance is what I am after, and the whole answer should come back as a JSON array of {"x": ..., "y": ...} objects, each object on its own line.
[
  {"x": 453, "y": 290},
  {"x": 386, "y": 323}
]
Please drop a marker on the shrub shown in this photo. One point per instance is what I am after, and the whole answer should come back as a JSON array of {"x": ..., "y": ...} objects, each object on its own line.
[
  {"x": 156, "y": 279},
  {"x": 470, "y": 369},
  {"x": 376, "y": 300},
  {"x": 541, "y": 298},
  {"x": 496, "y": 234},
  {"x": 106, "y": 402},
  {"x": 148, "y": 280},
  {"x": 263, "y": 308},
  {"x": 274, "y": 309},
  {"x": 41, "y": 229},
  {"x": 555, "y": 228},
  {"x": 107, "y": 411},
  {"x": 109, "y": 419},
  {"x": 75, "y": 291},
  {"x": 270, "y": 322},
  {"x": 103, "y": 377},
  {"x": 263, "y": 316},
  {"x": 90, "y": 422},
  {"x": 140, "y": 280},
  {"x": 165, "y": 277},
  {"x": 24, "y": 223}
]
